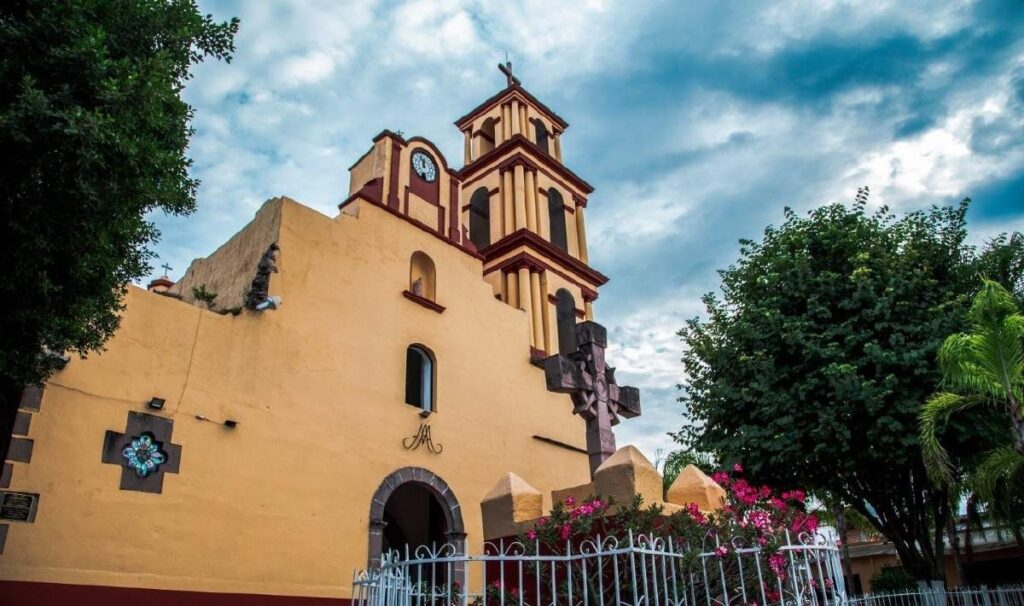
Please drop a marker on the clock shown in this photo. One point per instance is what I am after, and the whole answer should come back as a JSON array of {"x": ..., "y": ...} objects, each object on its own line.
[{"x": 424, "y": 166}]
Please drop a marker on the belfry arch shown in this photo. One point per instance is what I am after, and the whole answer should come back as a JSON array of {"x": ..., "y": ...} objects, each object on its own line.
[{"x": 401, "y": 484}]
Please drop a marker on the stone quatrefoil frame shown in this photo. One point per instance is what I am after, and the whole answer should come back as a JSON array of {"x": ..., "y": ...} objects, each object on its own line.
[{"x": 159, "y": 430}]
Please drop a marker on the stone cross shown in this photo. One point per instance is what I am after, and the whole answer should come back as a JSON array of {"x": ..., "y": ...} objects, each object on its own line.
[
  {"x": 596, "y": 397},
  {"x": 506, "y": 68}
]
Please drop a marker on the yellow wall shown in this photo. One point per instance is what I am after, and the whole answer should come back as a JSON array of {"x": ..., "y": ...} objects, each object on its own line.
[{"x": 279, "y": 504}]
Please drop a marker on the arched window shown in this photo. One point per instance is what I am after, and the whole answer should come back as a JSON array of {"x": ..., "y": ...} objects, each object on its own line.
[
  {"x": 480, "y": 218},
  {"x": 556, "y": 216},
  {"x": 422, "y": 277},
  {"x": 541, "y": 133},
  {"x": 420, "y": 376},
  {"x": 565, "y": 315},
  {"x": 485, "y": 137}
]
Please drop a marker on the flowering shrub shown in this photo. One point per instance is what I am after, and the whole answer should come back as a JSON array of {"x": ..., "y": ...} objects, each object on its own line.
[{"x": 755, "y": 523}]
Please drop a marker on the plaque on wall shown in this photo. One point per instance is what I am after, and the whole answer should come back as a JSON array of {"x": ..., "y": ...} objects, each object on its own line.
[{"x": 18, "y": 506}]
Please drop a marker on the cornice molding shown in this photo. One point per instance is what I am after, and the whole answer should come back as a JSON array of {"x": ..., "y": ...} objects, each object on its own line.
[
  {"x": 528, "y": 239},
  {"x": 534, "y": 160}
]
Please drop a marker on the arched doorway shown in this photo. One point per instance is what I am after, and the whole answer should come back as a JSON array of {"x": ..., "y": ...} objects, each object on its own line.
[{"x": 414, "y": 507}]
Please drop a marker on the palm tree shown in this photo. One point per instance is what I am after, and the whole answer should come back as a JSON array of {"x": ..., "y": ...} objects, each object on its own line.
[
  {"x": 984, "y": 367},
  {"x": 678, "y": 459}
]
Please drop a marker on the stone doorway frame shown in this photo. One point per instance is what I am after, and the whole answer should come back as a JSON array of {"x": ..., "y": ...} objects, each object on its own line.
[{"x": 455, "y": 532}]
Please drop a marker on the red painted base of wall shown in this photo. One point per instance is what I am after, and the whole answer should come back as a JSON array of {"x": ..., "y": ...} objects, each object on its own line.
[{"x": 14, "y": 593}]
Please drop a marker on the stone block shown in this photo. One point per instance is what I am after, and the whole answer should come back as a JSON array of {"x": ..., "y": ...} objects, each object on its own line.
[
  {"x": 580, "y": 493},
  {"x": 694, "y": 486},
  {"x": 508, "y": 505},
  {"x": 625, "y": 474}
]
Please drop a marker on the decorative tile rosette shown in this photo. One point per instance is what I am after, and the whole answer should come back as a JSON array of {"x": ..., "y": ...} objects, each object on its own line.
[{"x": 144, "y": 455}]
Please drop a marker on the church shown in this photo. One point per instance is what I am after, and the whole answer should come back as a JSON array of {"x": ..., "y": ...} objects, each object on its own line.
[{"x": 320, "y": 390}]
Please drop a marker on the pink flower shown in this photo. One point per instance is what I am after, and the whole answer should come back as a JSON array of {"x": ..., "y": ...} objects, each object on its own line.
[
  {"x": 565, "y": 532},
  {"x": 496, "y": 584},
  {"x": 570, "y": 502},
  {"x": 737, "y": 468},
  {"x": 531, "y": 534},
  {"x": 721, "y": 478},
  {"x": 744, "y": 492},
  {"x": 759, "y": 519},
  {"x": 695, "y": 514},
  {"x": 778, "y": 503},
  {"x": 794, "y": 495},
  {"x": 722, "y": 550},
  {"x": 596, "y": 504},
  {"x": 777, "y": 562},
  {"x": 804, "y": 523},
  {"x": 542, "y": 522}
]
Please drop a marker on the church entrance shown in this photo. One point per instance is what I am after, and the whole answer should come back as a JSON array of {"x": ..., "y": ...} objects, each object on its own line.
[
  {"x": 412, "y": 508},
  {"x": 413, "y": 517}
]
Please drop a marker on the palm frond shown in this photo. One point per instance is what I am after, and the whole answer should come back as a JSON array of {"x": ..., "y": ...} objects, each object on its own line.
[
  {"x": 991, "y": 305},
  {"x": 935, "y": 413},
  {"x": 999, "y": 480}
]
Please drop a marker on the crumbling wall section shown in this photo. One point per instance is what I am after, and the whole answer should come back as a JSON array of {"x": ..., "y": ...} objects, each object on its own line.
[{"x": 230, "y": 270}]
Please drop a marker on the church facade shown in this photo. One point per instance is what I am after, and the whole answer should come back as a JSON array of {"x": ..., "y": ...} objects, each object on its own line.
[{"x": 318, "y": 389}]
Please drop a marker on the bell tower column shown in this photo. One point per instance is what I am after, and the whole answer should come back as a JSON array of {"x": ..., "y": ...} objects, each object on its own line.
[
  {"x": 536, "y": 316},
  {"x": 507, "y": 202},
  {"x": 518, "y": 177},
  {"x": 581, "y": 233},
  {"x": 531, "y": 201}
]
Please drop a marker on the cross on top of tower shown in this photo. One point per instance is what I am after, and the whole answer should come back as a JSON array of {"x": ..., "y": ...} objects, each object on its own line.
[
  {"x": 596, "y": 397},
  {"x": 506, "y": 68},
  {"x": 167, "y": 268}
]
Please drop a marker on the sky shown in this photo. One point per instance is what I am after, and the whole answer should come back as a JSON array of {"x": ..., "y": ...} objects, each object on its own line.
[{"x": 696, "y": 122}]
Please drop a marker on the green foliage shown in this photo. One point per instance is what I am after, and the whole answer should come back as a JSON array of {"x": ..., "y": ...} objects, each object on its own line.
[
  {"x": 983, "y": 368},
  {"x": 201, "y": 294},
  {"x": 893, "y": 579},
  {"x": 93, "y": 136},
  {"x": 1003, "y": 262},
  {"x": 812, "y": 366}
]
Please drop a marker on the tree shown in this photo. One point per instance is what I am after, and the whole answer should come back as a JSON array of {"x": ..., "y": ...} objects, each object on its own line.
[
  {"x": 93, "y": 136},
  {"x": 983, "y": 368},
  {"x": 1003, "y": 262},
  {"x": 812, "y": 368}
]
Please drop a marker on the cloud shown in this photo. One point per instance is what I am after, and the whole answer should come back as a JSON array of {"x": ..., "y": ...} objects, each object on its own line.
[{"x": 697, "y": 122}]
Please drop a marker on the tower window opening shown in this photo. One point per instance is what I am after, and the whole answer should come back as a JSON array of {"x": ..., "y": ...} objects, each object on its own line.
[
  {"x": 556, "y": 217},
  {"x": 480, "y": 218},
  {"x": 541, "y": 135},
  {"x": 565, "y": 316},
  {"x": 485, "y": 137}
]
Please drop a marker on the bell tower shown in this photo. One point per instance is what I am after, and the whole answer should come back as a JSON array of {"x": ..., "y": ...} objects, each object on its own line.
[{"x": 524, "y": 212}]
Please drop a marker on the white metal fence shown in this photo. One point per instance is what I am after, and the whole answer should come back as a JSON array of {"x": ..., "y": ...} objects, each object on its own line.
[
  {"x": 1008, "y": 595},
  {"x": 641, "y": 570}
]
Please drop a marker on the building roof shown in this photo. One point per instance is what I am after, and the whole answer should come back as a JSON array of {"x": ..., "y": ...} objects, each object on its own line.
[{"x": 508, "y": 90}]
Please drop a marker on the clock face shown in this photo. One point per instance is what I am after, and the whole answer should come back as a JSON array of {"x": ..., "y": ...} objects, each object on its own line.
[{"x": 424, "y": 166}]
